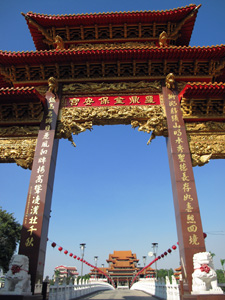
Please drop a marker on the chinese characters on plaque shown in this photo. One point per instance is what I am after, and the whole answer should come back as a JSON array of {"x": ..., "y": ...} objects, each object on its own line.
[{"x": 113, "y": 100}]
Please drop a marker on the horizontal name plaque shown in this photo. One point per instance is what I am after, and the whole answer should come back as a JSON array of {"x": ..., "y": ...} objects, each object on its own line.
[{"x": 123, "y": 100}]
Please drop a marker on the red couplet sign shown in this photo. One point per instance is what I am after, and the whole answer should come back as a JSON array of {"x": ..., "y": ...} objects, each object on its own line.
[{"x": 123, "y": 100}]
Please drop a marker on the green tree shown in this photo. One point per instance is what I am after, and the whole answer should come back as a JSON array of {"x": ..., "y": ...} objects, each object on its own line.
[
  {"x": 220, "y": 276},
  {"x": 57, "y": 273},
  {"x": 222, "y": 261},
  {"x": 86, "y": 277},
  {"x": 10, "y": 231},
  {"x": 162, "y": 273}
]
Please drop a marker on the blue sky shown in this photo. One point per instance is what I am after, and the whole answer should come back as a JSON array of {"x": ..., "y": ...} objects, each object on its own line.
[{"x": 113, "y": 192}]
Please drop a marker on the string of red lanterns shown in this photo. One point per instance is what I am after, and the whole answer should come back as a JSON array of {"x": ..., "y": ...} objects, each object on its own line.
[
  {"x": 53, "y": 244},
  {"x": 152, "y": 262},
  {"x": 174, "y": 247}
]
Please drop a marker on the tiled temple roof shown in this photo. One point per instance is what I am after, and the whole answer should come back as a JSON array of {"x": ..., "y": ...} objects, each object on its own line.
[
  {"x": 20, "y": 94},
  {"x": 60, "y": 56},
  {"x": 114, "y": 18},
  {"x": 199, "y": 90}
]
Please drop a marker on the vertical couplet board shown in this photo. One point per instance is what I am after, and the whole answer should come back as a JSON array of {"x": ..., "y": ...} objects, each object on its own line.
[
  {"x": 188, "y": 220},
  {"x": 37, "y": 212}
]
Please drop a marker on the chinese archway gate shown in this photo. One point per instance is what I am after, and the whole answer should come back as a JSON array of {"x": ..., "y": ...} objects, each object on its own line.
[{"x": 113, "y": 68}]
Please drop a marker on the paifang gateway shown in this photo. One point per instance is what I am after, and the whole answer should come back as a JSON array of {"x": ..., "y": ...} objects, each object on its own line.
[{"x": 132, "y": 68}]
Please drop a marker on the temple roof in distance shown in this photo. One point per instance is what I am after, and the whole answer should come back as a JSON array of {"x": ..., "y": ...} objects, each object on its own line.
[
  {"x": 75, "y": 21},
  {"x": 66, "y": 267}
]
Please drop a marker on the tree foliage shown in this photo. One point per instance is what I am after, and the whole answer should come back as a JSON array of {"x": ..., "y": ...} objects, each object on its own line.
[
  {"x": 162, "y": 273},
  {"x": 220, "y": 276},
  {"x": 10, "y": 231},
  {"x": 222, "y": 261}
]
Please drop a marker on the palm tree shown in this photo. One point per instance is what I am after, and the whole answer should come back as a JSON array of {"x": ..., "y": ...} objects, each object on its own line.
[{"x": 222, "y": 261}]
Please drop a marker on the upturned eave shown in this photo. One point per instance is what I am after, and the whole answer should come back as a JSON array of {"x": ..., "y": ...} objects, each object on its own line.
[
  {"x": 113, "y": 18},
  {"x": 203, "y": 90}
]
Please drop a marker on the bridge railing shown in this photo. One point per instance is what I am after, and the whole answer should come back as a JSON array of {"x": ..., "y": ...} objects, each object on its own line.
[
  {"x": 66, "y": 292},
  {"x": 159, "y": 288}
]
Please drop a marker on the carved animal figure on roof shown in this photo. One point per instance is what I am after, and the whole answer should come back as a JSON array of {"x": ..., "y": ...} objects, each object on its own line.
[
  {"x": 17, "y": 279},
  {"x": 170, "y": 81},
  {"x": 53, "y": 85},
  {"x": 59, "y": 43},
  {"x": 204, "y": 278},
  {"x": 163, "y": 39}
]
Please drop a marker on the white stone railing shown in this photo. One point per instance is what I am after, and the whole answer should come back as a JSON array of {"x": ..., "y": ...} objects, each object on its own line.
[
  {"x": 66, "y": 292},
  {"x": 159, "y": 288}
]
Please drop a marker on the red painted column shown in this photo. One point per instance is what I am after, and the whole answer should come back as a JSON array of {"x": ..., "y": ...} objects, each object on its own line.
[
  {"x": 37, "y": 213},
  {"x": 188, "y": 220}
]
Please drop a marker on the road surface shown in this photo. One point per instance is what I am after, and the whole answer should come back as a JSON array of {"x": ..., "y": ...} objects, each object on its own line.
[{"x": 120, "y": 295}]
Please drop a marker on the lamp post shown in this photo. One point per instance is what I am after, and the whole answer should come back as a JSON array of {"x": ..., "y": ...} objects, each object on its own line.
[
  {"x": 102, "y": 270},
  {"x": 144, "y": 262},
  {"x": 155, "y": 247},
  {"x": 96, "y": 261},
  {"x": 82, "y": 247}
]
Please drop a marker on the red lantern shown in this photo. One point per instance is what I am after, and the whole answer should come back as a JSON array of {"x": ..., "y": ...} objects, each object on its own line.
[
  {"x": 204, "y": 235},
  {"x": 71, "y": 254},
  {"x": 162, "y": 255},
  {"x": 165, "y": 253},
  {"x": 78, "y": 258},
  {"x": 65, "y": 252},
  {"x": 174, "y": 247},
  {"x": 74, "y": 256},
  {"x": 169, "y": 250},
  {"x": 81, "y": 259},
  {"x": 60, "y": 248},
  {"x": 53, "y": 245}
]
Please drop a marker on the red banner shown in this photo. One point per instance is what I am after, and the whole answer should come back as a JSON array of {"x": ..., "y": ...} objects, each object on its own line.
[{"x": 123, "y": 100}]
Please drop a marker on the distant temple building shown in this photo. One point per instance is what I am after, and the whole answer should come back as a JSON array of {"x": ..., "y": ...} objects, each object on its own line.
[
  {"x": 123, "y": 266},
  {"x": 147, "y": 273},
  {"x": 65, "y": 271}
]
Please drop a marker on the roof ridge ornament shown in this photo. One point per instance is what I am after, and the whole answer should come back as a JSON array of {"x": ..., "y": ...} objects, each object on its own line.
[
  {"x": 170, "y": 81},
  {"x": 163, "y": 37},
  {"x": 59, "y": 43},
  {"x": 53, "y": 85}
]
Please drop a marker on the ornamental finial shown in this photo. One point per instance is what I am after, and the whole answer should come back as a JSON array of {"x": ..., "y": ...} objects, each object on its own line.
[
  {"x": 163, "y": 39},
  {"x": 53, "y": 85},
  {"x": 170, "y": 81},
  {"x": 59, "y": 43}
]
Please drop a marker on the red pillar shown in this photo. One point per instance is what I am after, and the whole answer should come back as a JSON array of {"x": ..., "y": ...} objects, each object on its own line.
[
  {"x": 188, "y": 220},
  {"x": 37, "y": 213}
]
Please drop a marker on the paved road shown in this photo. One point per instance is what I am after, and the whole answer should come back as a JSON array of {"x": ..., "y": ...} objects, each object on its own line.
[{"x": 120, "y": 295}]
